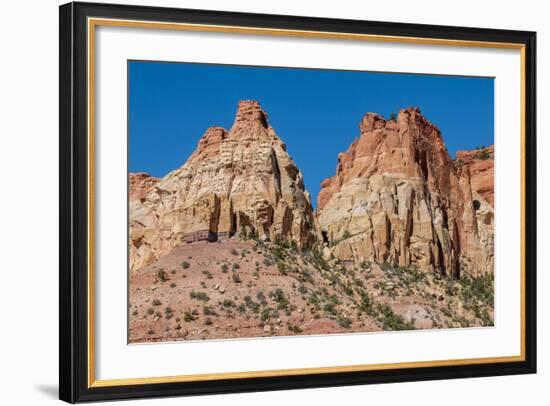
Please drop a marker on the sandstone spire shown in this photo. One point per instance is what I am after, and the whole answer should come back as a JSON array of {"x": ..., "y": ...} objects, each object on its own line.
[
  {"x": 397, "y": 198},
  {"x": 241, "y": 181}
]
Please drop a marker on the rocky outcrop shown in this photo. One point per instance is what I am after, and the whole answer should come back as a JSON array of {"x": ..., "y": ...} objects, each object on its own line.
[
  {"x": 480, "y": 163},
  {"x": 140, "y": 184},
  {"x": 398, "y": 198},
  {"x": 241, "y": 181}
]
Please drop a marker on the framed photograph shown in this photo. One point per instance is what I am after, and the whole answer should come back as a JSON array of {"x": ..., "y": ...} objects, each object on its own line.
[{"x": 256, "y": 202}]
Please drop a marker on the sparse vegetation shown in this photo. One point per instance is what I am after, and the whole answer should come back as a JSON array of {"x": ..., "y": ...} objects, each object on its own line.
[
  {"x": 279, "y": 297},
  {"x": 209, "y": 311},
  {"x": 189, "y": 315},
  {"x": 353, "y": 296},
  {"x": 202, "y": 296},
  {"x": 161, "y": 275},
  {"x": 228, "y": 303}
]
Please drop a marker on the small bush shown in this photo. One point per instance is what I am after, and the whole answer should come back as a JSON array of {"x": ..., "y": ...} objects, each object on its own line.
[
  {"x": 209, "y": 311},
  {"x": 202, "y": 296},
  {"x": 161, "y": 275},
  {"x": 251, "y": 304},
  {"x": 189, "y": 316},
  {"x": 261, "y": 298},
  {"x": 344, "y": 322},
  {"x": 185, "y": 265},
  {"x": 294, "y": 329},
  {"x": 330, "y": 308},
  {"x": 228, "y": 303},
  {"x": 279, "y": 297},
  {"x": 156, "y": 302}
]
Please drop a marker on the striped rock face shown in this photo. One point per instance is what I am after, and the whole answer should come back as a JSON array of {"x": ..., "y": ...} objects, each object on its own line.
[
  {"x": 399, "y": 198},
  {"x": 241, "y": 181}
]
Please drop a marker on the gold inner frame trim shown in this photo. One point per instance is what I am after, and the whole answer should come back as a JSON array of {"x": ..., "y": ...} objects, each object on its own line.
[{"x": 94, "y": 22}]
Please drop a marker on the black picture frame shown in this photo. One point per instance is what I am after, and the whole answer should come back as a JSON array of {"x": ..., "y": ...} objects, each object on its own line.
[{"x": 73, "y": 255}]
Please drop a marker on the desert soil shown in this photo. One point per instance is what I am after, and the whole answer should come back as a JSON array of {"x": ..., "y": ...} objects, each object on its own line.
[{"x": 237, "y": 288}]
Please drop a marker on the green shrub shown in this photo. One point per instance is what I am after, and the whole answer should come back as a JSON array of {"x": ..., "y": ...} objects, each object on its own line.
[
  {"x": 261, "y": 298},
  {"x": 344, "y": 322},
  {"x": 228, "y": 303},
  {"x": 251, "y": 304},
  {"x": 279, "y": 297},
  {"x": 209, "y": 311},
  {"x": 203, "y": 296},
  {"x": 294, "y": 329},
  {"x": 161, "y": 275},
  {"x": 189, "y": 316},
  {"x": 330, "y": 308}
]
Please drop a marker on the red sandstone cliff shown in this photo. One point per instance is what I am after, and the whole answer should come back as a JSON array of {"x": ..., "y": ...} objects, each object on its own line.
[{"x": 397, "y": 198}]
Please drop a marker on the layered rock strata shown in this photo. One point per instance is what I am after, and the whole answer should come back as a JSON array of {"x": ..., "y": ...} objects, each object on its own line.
[
  {"x": 397, "y": 197},
  {"x": 480, "y": 163},
  {"x": 241, "y": 181}
]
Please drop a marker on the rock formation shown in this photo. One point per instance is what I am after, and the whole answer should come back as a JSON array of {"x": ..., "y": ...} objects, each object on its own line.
[
  {"x": 241, "y": 181},
  {"x": 398, "y": 198},
  {"x": 140, "y": 184},
  {"x": 480, "y": 163}
]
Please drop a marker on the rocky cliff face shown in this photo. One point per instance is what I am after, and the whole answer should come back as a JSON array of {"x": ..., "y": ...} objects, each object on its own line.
[
  {"x": 398, "y": 198},
  {"x": 241, "y": 181},
  {"x": 480, "y": 163},
  {"x": 140, "y": 184}
]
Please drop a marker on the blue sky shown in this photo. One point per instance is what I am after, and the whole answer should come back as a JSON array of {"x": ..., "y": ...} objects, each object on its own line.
[{"x": 315, "y": 112}]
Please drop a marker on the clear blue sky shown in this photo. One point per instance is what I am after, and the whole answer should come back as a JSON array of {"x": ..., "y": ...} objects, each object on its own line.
[{"x": 315, "y": 112}]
